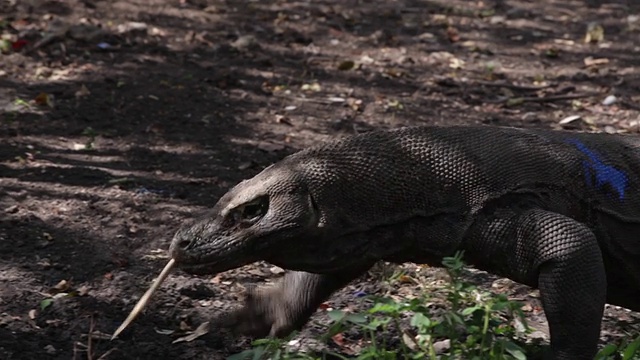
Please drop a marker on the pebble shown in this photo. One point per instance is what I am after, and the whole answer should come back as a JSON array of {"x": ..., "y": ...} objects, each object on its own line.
[
  {"x": 50, "y": 349},
  {"x": 609, "y": 100}
]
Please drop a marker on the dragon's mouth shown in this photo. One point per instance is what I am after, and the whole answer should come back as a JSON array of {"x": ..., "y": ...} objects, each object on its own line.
[
  {"x": 203, "y": 268},
  {"x": 208, "y": 266}
]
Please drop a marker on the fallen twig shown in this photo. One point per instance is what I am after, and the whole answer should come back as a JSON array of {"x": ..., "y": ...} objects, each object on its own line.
[
  {"x": 511, "y": 86},
  {"x": 520, "y": 100}
]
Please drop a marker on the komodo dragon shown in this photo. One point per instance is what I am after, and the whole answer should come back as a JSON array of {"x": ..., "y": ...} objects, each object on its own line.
[{"x": 554, "y": 210}]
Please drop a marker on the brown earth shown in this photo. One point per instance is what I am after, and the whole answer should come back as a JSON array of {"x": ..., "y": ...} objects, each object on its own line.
[{"x": 119, "y": 120}]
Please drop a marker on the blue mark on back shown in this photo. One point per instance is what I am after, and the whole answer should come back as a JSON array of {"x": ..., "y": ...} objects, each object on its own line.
[{"x": 599, "y": 174}]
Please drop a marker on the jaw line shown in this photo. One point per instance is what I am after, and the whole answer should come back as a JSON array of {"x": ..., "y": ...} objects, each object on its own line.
[
  {"x": 211, "y": 267},
  {"x": 202, "y": 269}
]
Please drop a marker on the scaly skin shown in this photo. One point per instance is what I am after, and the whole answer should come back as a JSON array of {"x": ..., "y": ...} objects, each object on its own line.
[{"x": 553, "y": 210}]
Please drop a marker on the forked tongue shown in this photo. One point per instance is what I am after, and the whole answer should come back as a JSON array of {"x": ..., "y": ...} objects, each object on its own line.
[{"x": 145, "y": 298}]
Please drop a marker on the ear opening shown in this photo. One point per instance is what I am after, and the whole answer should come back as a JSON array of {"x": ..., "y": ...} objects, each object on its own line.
[{"x": 315, "y": 209}]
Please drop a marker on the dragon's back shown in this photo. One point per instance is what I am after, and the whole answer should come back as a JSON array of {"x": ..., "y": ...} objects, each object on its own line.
[{"x": 422, "y": 170}]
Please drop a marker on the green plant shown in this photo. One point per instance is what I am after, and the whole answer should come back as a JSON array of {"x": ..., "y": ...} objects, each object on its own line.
[
  {"x": 91, "y": 134},
  {"x": 272, "y": 349},
  {"x": 622, "y": 351},
  {"x": 477, "y": 325}
]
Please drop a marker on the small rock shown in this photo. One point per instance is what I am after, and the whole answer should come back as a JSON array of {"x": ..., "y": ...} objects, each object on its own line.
[
  {"x": 50, "y": 349},
  {"x": 276, "y": 270},
  {"x": 441, "y": 346},
  {"x": 427, "y": 37},
  {"x": 497, "y": 20},
  {"x": 244, "y": 42},
  {"x": 609, "y": 100}
]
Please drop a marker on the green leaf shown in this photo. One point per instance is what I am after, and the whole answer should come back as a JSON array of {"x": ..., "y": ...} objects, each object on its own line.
[
  {"x": 631, "y": 350},
  {"x": 373, "y": 325},
  {"x": 45, "y": 303},
  {"x": 355, "y": 318},
  {"x": 470, "y": 310},
  {"x": 259, "y": 342},
  {"x": 607, "y": 351},
  {"x": 384, "y": 308},
  {"x": 336, "y": 315},
  {"x": 420, "y": 320},
  {"x": 258, "y": 352},
  {"x": 515, "y": 350},
  {"x": 277, "y": 355},
  {"x": 240, "y": 356}
]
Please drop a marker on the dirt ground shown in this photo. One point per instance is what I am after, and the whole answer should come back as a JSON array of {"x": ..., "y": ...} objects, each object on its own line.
[{"x": 119, "y": 120}]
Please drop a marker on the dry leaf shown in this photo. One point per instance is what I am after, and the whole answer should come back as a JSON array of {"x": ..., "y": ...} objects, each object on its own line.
[
  {"x": 269, "y": 147},
  {"x": 201, "y": 330},
  {"x": 82, "y": 92},
  {"x": 405, "y": 279},
  {"x": 569, "y": 119},
  {"x": 346, "y": 65},
  {"x": 456, "y": 63},
  {"x": 452, "y": 34},
  {"x": 63, "y": 285},
  {"x": 338, "y": 339},
  {"x": 311, "y": 87},
  {"x": 590, "y": 61},
  {"x": 595, "y": 33},
  {"x": 409, "y": 341},
  {"x": 244, "y": 42},
  {"x": 44, "y": 99},
  {"x": 281, "y": 119},
  {"x": 84, "y": 290}
]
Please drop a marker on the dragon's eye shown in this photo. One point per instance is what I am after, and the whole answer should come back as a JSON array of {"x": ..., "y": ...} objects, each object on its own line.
[
  {"x": 248, "y": 213},
  {"x": 254, "y": 210}
]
